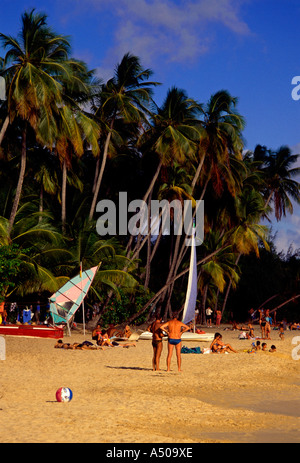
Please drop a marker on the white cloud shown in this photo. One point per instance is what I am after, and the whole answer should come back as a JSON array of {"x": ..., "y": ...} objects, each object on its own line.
[{"x": 177, "y": 31}]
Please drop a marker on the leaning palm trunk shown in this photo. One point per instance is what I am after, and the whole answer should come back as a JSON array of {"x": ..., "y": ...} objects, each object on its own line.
[
  {"x": 100, "y": 176},
  {"x": 20, "y": 183},
  {"x": 171, "y": 275},
  {"x": 145, "y": 198},
  {"x": 198, "y": 171},
  {"x": 4, "y": 128},
  {"x": 229, "y": 286},
  {"x": 64, "y": 196},
  {"x": 156, "y": 297}
]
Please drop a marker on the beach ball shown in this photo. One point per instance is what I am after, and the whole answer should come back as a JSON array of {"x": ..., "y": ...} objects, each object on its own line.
[{"x": 64, "y": 394}]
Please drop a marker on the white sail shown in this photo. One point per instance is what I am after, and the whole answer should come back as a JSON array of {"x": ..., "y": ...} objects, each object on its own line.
[
  {"x": 191, "y": 296},
  {"x": 2, "y": 89}
]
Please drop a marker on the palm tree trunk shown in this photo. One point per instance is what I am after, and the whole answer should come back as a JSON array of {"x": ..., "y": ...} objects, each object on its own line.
[
  {"x": 196, "y": 176},
  {"x": 172, "y": 271},
  {"x": 4, "y": 128},
  {"x": 20, "y": 183},
  {"x": 269, "y": 198},
  {"x": 96, "y": 174},
  {"x": 229, "y": 286},
  {"x": 203, "y": 305},
  {"x": 148, "y": 263},
  {"x": 150, "y": 188},
  {"x": 64, "y": 196},
  {"x": 156, "y": 296},
  {"x": 100, "y": 176},
  {"x": 41, "y": 205}
]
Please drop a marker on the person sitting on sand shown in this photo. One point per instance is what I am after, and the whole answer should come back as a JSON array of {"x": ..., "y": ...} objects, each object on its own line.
[
  {"x": 157, "y": 340},
  {"x": 107, "y": 342},
  {"x": 264, "y": 347},
  {"x": 218, "y": 346},
  {"x": 97, "y": 334},
  {"x": 258, "y": 346},
  {"x": 174, "y": 328},
  {"x": 273, "y": 348}
]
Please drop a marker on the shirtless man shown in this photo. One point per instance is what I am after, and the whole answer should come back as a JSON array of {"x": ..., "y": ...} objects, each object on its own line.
[
  {"x": 157, "y": 337},
  {"x": 174, "y": 328}
]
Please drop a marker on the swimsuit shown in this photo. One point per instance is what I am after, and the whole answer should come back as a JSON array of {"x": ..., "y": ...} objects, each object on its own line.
[
  {"x": 174, "y": 342},
  {"x": 155, "y": 342}
]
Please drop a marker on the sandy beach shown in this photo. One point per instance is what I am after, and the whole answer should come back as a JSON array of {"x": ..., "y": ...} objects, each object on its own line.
[{"x": 117, "y": 398}]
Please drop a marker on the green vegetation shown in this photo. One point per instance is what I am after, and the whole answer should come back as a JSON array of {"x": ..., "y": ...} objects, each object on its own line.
[{"x": 68, "y": 140}]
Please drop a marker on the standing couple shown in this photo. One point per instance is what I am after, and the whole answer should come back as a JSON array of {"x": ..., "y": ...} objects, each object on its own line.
[{"x": 174, "y": 329}]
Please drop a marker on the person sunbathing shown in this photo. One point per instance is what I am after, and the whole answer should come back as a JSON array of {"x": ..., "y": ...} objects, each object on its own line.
[
  {"x": 218, "y": 346},
  {"x": 61, "y": 345},
  {"x": 85, "y": 345},
  {"x": 107, "y": 342}
]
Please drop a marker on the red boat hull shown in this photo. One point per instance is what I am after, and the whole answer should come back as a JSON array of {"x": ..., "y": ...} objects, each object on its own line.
[{"x": 36, "y": 331}]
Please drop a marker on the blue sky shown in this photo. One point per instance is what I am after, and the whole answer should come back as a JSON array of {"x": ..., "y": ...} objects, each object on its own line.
[{"x": 248, "y": 47}]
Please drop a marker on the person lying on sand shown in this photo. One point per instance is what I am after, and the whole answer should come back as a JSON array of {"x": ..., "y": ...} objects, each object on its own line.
[
  {"x": 218, "y": 346},
  {"x": 235, "y": 326},
  {"x": 61, "y": 345},
  {"x": 86, "y": 345}
]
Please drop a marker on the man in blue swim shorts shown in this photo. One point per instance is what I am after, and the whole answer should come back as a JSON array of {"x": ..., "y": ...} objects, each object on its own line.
[{"x": 174, "y": 328}]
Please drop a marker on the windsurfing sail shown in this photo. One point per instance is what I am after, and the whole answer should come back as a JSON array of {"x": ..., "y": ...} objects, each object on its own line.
[
  {"x": 191, "y": 295},
  {"x": 65, "y": 302}
]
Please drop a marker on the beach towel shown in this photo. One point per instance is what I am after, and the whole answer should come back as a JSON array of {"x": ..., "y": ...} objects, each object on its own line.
[{"x": 190, "y": 350}]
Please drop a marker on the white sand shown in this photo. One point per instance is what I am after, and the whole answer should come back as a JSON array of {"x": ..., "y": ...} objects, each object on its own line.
[{"x": 117, "y": 398}]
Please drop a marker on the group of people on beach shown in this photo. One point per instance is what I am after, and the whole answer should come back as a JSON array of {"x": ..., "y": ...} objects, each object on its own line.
[
  {"x": 174, "y": 330},
  {"x": 256, "y": 347},
  {"x": 103, "y": 338}
]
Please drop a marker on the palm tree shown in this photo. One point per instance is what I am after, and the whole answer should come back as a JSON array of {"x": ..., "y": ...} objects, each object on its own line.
[
  {"x": 281, "y": 188},
  {"x": 74, "y": 129},
  {"x": 248, "y": 233},
  {"x": 173, "y": 134},
  {"x": 33, "y": 66},
  {"x": 125, "y": 96},
  {"x": 41, "y": 249},
  {"x": 221, "y": 141},
  {"x": 218, "y": 268}
]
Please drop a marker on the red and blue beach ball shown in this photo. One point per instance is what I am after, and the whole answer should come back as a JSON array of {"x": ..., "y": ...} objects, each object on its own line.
[{"x": 64, "y": 394}]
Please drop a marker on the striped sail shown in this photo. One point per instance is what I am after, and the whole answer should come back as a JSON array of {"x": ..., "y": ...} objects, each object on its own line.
[
  {"x": 65, "y": 302},
  {"x": 191, "y": 295}
]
